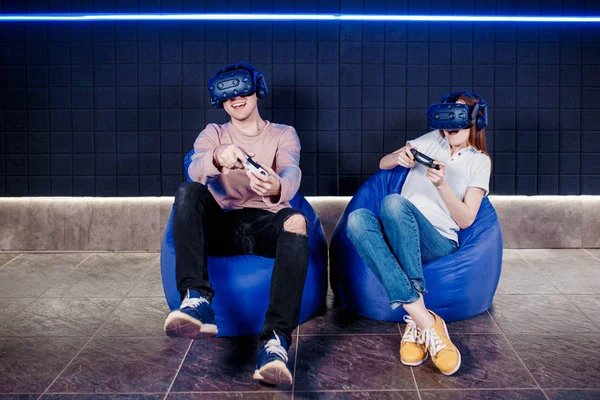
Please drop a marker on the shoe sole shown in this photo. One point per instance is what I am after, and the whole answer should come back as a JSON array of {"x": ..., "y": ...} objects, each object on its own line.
[
  {"x": 414, "y": 364},
  {"x": 179, "y": 324},
  {"x": 273, "y": 373},
  {"x": 459, "y": 357}
]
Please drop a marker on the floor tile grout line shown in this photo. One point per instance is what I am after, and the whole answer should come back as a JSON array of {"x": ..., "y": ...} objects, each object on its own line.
[
  {"x": 178, "y": 369},
  {"x": 392, "y": 334},
  {"x": 492, "y": 389},
  {"x": 83, "y": 347},
  {"x": 139, "y": 279},
  {"x": 337, "y": 391},
  {"x": 517, "y": 354},
  {"x": 93, "y": 335},
  {"x": 587, "y": 251},
  {"x": 348, "y": 334},
  {"x": 162, "y": 336},
  {"x": 137, "y": 282},
  {"x": 274, "y": 391},
  {"x": 95, "y": 394},
  {"x": 524, "y": 365},
  {"x": 539, "y": 271},
  {"x": 298, "y": 336},
  {"x": 11, "y": 260},
  {"x": 123, "y": 301},
  {"x": 412, "y": 371},
  {"x": 494, "y": 320},
  {"x": 65, "y": 368},
  {"x": 296, "y": 360},
  {"x": 70, "y": 272},
  {"x": 413, "y": 390},
  {"x": 549, "y": 281},
  {"x": 578, "y": 309},
  {"x": 324, "y": 391}
]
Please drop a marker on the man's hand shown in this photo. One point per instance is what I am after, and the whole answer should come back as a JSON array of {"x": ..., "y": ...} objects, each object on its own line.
[
  {"x": 437, "y": 177},
  {"x": 225, "y": 157},
  {"x": 265, "y": 185}
]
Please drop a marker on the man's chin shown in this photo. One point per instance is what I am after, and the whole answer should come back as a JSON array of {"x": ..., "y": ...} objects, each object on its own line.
[{"x": 241, "y": 117}]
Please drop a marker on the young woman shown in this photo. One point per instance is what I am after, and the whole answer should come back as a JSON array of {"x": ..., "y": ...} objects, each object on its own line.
[{"x": 421, "y": 224}]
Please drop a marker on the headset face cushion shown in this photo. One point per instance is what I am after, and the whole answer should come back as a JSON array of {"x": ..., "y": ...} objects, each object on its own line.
[
  {"x": 449, "y": 116},
  {"x": 227, "y": 85}
]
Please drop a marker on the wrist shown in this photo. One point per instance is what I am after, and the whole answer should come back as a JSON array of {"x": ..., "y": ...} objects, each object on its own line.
[
  {"x": 277, "y": 192},
  {"x": 443, "y": 185},
  {"x": 214, "y": 157}
]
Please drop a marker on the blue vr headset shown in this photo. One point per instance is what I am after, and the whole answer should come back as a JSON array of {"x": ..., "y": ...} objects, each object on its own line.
[
  {"x": 239, "y": 79},
  {"x": 449, "y": 115}
]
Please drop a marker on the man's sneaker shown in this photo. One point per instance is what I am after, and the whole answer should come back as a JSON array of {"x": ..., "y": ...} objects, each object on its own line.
[
  {"x": 412, "y": 349},
  {"x": 271, "y": 364},
  {"x": 194, "y": 319},
  {"x": 444, "y": 354}
]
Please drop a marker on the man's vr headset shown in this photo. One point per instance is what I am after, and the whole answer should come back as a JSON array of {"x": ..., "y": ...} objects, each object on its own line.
[
  {"x": 448, "y": 115},
  {"x": 240, "y": 79}
]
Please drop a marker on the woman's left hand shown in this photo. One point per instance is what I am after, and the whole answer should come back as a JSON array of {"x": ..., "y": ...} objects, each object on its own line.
[{"x": 437, "y": 176}]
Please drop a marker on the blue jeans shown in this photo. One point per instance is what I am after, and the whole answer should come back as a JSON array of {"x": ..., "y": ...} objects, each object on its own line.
[{"x": 396, "y": 245}]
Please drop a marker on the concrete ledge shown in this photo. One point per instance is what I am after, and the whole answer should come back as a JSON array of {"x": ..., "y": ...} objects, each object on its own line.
[{"x": 137, "y": 224}]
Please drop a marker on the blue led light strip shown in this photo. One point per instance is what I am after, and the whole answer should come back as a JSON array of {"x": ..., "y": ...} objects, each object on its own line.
[{"x": 289, "y": 17}]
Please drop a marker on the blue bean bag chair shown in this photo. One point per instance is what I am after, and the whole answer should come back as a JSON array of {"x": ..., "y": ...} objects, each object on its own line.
[
  {"x": 242, "y": 283},
  {"x": 460, "y": 285}
]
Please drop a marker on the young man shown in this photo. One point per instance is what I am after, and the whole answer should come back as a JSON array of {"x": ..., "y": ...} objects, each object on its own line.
[{"x": 232, "y": 209}]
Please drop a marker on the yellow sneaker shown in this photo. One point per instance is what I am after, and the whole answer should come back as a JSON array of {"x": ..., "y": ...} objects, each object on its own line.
[
  {"x": 444, "y": 354},
  {"x": 412, "y": 350}
]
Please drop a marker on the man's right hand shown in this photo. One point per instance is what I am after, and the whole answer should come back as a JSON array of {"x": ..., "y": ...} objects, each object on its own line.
[{"x": 225, "y": 157}]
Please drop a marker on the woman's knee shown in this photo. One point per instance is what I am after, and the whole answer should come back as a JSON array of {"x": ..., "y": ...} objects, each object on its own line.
[
  {"x": 358, "y": 220},
  {"x": 393, "y": 206}
]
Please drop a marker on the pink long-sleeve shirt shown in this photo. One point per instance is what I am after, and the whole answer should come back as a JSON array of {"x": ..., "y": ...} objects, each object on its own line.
[{"x": 274, "y": 145}]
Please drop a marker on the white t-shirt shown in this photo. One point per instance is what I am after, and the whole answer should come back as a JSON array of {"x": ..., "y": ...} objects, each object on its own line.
[{"x": 466, "y": 168}]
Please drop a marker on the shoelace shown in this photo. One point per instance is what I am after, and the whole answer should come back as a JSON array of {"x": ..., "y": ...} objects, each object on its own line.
[
  {"x": 411, "y": 334},
  {"x": 274, "y": 346},
  {"x": 193, "y": 302},
  {"x": 433, "y": 341}
]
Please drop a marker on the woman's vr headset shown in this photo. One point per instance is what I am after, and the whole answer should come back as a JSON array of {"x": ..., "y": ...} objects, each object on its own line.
[
  {"x": 449, "y": 115},
  {"x": 240, "y": 79}
]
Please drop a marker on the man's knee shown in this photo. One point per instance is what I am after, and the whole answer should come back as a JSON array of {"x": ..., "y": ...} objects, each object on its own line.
[
  {"x": 295, "y": 223},
  {"x": 190, "y": 193}
]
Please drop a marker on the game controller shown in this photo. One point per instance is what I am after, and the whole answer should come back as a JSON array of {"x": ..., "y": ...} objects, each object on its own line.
[
  {"x": 423, "y": 159},
  {"x": 252, "y": 166}
]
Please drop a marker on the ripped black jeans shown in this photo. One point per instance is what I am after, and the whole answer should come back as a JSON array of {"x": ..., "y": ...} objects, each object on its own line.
[{"x": 201, "y": 228}]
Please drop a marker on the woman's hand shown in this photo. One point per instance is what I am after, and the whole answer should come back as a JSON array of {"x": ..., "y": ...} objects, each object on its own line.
[
  {"x": 437, "y": 176},
  {"x": 406, "y": 158}
]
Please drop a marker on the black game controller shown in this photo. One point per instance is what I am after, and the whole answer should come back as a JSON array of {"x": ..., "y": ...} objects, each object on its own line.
[{"x": 423, "y": 159}]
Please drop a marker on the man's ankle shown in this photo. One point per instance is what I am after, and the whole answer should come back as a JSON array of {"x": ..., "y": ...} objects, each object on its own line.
[{"x": 265, "y": 337}]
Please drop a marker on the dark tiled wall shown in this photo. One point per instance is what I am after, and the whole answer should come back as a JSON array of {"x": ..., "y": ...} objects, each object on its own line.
[{"x": 110, "y": 109}]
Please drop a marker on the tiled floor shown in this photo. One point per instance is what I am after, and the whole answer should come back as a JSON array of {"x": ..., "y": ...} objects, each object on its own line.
[{"x": 89, "y": 326}]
